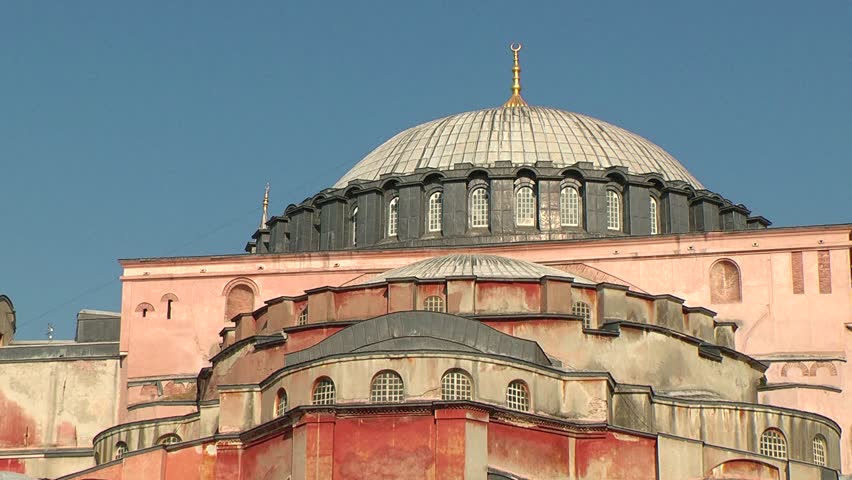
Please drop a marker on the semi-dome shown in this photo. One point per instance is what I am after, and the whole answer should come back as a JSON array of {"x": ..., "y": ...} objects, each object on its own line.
[
  {"x": 522, "y": 135},
  {"x": 473, "y": 265}
]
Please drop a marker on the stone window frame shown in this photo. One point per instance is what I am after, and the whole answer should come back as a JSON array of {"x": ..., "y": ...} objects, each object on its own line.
[
  {"x": 476, "y": 185},
  {"x": 169, "y": 439},
  {"x": 820, "y": 450},
  {"x": 280, "y": 402},
  {"x": 302, "y": 319},
  {"x": 584, "y": 311},
  {"x": 518, "y": 396},
  {"x": 773, "y": 443},
  {"x": 430, "y": 194},
  {"x": 615, "y": 191},
  {"x": 654, "y": 216},
  {"x": 456, "y": 384},
  {"x": 565, "y": 184},
  {"x": 324, "y": 392},
  {"x": 353, "y": 224},
  {"x": 524, "y": 184},
  {"x": 387, "y": 386},
  {"x": 392, "y": 217}
]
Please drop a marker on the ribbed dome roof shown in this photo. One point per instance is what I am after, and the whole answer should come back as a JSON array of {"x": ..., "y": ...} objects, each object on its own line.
[
  {"x": 522, "y": 135},
  {"x": 465, "y": 265}
]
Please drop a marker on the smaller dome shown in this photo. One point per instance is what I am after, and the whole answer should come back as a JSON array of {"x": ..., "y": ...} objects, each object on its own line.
[{"x": 467, "y": 265}]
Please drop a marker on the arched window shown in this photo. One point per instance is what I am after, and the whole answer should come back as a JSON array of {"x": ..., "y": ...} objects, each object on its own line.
[
  {"x": 324, "y": 393},
  {"x": 655, "y": 221},
  {"x": 303, "y": 317},
  {"x": 168, "y": 439},
  {"x": 456, "y": 385},
  {"x": 280, "y": 402},
  {"x": 393, "y": 216},
  {"x": 387, "y": 387},
  {"x": 145, "y": 308},
  {"x": 353, "y": 221},
  {"x": 120, "y": 450},
  {"x": 479, "y": 207},
  {"x": 582, "y": 310},
  {"x": 613, "y": 210},
  {"x": 773, "y": 444},
  {"x": 525, "y": 207},
  {"x": 518, "y": 396},
  {"x": 725, "y": 282},
  {"x": 434, "y": 304},
  {"x": 436, "y": 206},
  {"x": 569, "y": 207},
  {"x": 819, "y": 450}
]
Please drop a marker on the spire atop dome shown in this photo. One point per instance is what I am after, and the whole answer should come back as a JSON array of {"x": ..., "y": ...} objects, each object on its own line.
[
  {"x": 516, "y": 100},
  {"x": 265, "y": 217}
]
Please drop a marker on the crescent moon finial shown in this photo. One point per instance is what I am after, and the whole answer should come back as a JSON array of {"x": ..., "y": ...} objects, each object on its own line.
[{"x": 515, "y": 47}]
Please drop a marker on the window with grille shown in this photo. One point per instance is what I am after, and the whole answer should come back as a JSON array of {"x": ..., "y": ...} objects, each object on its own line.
[
  {"x": 386, "y": 388},
  {"x": 323, "y": 392},
  {"x": 303, "y": 316},
  {"x": 435, "y": 211},
  {"x": 393, "y": 216},
  {"x": 120, "y": 450},
  {"x": 434, "y": 304},
  {"x": 584, "y": 311},
  {"x": 655, "y": 222},
  {"x": 280, "y": 402},
  {"x": 613, "y": 210},
  {"x": 525, "y": 207},
  {"x": 569, "y": 207},
  {"x": 819, "y": 450},
  {"x": 168, "y": 439},
  {"x": 354, "y": 222},
  {"x": 479, "y": 207},
  {"x": 456, "y": 385},
  {"x": 518, "y": 396},
  {"x": 773, "y": 444}
]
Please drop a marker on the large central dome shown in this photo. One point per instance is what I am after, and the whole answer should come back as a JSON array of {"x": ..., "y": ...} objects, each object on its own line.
[{"x": 522, "y": 135}]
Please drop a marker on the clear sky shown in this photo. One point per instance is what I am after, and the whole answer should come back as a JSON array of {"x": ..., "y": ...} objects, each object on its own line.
[{"x": 146, "y": 129}]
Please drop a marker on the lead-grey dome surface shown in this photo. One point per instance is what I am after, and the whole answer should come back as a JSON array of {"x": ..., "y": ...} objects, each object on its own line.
[
  {"x": 469, "y": 265},
  {"x": 522, "y": 135}
]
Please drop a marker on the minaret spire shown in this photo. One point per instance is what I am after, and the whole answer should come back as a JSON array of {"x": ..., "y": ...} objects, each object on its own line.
[
  {"x": 265, "y": 217},
  {"x": 515, "y": 100}
]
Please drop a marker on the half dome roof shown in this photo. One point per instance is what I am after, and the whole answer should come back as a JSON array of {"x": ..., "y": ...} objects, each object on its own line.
[
  {"x": 522, "y": 135},
  {"x": 470, "y": 265}
]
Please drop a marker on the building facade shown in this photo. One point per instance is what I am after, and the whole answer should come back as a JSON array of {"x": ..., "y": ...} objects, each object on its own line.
[{"x": 512, "y": 293}]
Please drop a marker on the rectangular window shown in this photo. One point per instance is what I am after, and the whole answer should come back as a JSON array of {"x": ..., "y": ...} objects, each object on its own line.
[
  {"x": 824, "y": 267},
  {"x": 798, "y": 273}
]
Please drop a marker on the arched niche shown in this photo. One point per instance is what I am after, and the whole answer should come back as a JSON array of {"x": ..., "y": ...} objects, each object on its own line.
[
  {"x": 725, "y": 282},
  {"x": 239, "y": 297}
]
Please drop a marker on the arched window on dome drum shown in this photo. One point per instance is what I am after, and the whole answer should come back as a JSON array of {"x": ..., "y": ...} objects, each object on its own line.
[
  {"x": 456, "y": 385},
  {"x": 773, "y": 444},
  {"x": 120, "y": 450},
  {"x": 324, "y": 392},
  {"x": 819, "y": 450},
  {"x": 655, "y": 221},
  {"x": 525, "y": 207},
  {"x": 387, "y": 387},
  {"x": 353, "y": 222},
  {"x": 169, "y": 439},
  {"x": 280, "y": 402},
  {"x": 393, "y": 216},
  {"x": 518, "y": 396},
  {"x": 569, "y": 207},
  {"x": 613, "y": 210},
  {"x": 435, "y": 211},
  {"x": 582, "y": 310},
  {"x": 303, "y": 317},
  {"x": 479, "y": 207},
  {"x": 434, "y": 304}
]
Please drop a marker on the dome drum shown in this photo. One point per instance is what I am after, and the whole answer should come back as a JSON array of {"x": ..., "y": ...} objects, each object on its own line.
[{"x": 469, "y": 205}]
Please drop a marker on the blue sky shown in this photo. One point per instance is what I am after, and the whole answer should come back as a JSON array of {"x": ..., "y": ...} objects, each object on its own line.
[{"x": 149, "y": 129}]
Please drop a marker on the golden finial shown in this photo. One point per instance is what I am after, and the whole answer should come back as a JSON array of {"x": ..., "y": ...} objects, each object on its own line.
[
  {"x": 515, "y": 100},
  {"x": 265, "y": 217}
]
